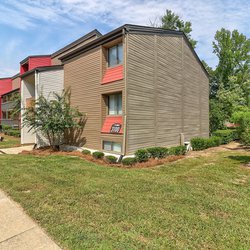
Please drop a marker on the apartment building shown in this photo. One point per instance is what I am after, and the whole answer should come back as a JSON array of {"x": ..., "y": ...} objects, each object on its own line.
[
  {"x": 8, "y": 103},
  {"x": 5, "y": 86},
  {"x": 139, "y": 87}
]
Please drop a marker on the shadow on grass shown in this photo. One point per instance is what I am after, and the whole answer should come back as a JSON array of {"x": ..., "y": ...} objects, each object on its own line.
[{"x": 243, "y": 159}]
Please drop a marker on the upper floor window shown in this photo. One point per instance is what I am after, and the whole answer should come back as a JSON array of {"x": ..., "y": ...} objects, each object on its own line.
[
  {"x": 115, "y": 55},
  {"x": 115, "y": 104}
]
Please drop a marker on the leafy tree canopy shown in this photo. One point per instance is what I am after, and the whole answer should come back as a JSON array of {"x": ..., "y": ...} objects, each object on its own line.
[{"x": 171, "y": 20}]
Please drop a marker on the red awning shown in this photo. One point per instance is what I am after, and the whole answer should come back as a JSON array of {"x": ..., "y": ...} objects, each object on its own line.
[
  {"x": 113, "y": 74},
  {"x": 112, "y": 125}
]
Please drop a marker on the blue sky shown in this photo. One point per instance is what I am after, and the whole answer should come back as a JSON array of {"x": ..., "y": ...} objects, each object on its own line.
[{"x": 30, "y": 27}]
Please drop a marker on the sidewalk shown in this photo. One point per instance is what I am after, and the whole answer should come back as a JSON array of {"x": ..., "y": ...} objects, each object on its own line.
[
  {"x": 15, "y": 150},
  {"x": 18, "y": 231}
]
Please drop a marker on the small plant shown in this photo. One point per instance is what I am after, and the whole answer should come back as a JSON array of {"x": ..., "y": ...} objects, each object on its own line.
[
  {"x": 13, "y": 132},
  {"x": 198, "y": 143},
  {"x": 142, "y": 155},
  {"x": 111, "y": 159},
  {"x": 6, "y": 127},
  {"x": 157, "y": 152},
  {"x": 227, "y": 135},
  {"x": 86, "y": 152},
  {"x": 98, "y": 155},
  {"x": 178, "y": 150},
  {"x": 129, "y": 161}
]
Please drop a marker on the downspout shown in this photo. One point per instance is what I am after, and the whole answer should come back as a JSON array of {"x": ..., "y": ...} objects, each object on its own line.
[
  {"x": 22, "y": 110},
  {"x": 125, "y": 93},
  {"x": 36, "y": 96}
]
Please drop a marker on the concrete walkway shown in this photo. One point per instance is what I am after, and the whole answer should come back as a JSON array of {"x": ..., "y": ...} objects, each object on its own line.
[
  {"x": 15, "y": 150},
  {"x": 18, "y": 231}
]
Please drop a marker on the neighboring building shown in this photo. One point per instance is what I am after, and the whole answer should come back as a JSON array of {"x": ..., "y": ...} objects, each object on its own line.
[
  {"x": 5, "y": 86},
  {"x": 7, "y": 109},
  {"x": 7, "y": 103},
  {"x": 44, "y": 80},
  {"x": 139, "y": 87}
]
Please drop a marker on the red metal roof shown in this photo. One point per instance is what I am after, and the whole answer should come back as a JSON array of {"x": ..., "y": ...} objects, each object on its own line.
[
  {"x": 5, "y": 85},
  {"x": 34, "y": 62},
  {"x": 113, "y": 74},
  {"x": 109, "y": 121}
]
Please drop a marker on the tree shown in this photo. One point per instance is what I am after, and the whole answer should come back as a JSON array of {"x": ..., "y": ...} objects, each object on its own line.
[
  {"x": 172, "y": 21},
  {"x": 52, "y": 118},
  {"x": 230, "y": 81},
  {"x": 233, "y": 52},
  {"x": 16, "y": 110}
]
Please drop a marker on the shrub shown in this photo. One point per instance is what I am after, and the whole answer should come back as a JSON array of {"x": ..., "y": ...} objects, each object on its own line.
[
  {"x": 141, "y": 155},
  {"x": 214, "y": 141},
  {"x": 227, "y": 135},
  {"x": 178, "y": 150},
  {"x": 111, "y": 159},
  {"x": 198, "y": 143},
  {"x": 243, "y": 131},
  {"x": 6, "y": 127},
  {"x": 98, "y": 155},
  {"x": 86, "y": 152},
  {"x": 157, "y": 152},
  {"x": 129, "y": 161},
  {"x": 13, "y": 132},
  {"x": 245, "y": 137}
]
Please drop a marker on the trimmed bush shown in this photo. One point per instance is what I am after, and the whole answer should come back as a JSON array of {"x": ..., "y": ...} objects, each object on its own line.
[
  {"x": 111, "y": 159},
  {"x": 129, "y": 161},
  {"x": 157, "y": 152},
  {"x": 227, "y": 135},
  {"x": 6, "y": 127},
  {"x": 198, "y": 143},
  {"x": 86, "y": 152},
  {"x": 178, "y": 150},
  {"x": 214, "y": 141},
  {"x": 13, "y": 132},
  {"x": 141, "y": 155},
  {"x": 98, "y": 155},
  {"x": 242, "y": 118}
]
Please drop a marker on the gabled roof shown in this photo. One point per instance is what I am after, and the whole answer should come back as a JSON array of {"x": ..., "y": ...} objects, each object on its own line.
[
  {"x": 132, "y": 29},
  {"x": 94, "y": 32}
]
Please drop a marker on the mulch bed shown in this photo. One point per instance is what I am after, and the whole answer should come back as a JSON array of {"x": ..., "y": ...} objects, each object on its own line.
[{"x": 148, "y": 164}]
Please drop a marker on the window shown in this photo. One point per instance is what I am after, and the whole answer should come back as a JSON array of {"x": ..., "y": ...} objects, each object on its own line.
[
  {"x": 115, "y": 55},
  {"x": 115, "y": 104},
  {"x": 112, "y": 146}
]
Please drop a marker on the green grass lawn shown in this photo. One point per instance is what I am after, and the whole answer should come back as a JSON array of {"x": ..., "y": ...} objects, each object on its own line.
[
  {"x": 9, "y": 141},
  {"x": 201, "y": 203}
]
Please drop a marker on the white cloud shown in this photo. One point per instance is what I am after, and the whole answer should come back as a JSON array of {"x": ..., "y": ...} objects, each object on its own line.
[{"x": 206, "y": 16}]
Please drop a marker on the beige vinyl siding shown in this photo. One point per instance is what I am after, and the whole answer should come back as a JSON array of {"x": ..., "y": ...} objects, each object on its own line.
[
  {"x": 48, "y": 82},
  {"x": 16, "y": 83},
  {"x": 167, "y": 92},
  {"x": 83, "y": 75},
  {"x": 28, "y": 92},
  {"x": 140, "y": 92}
]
